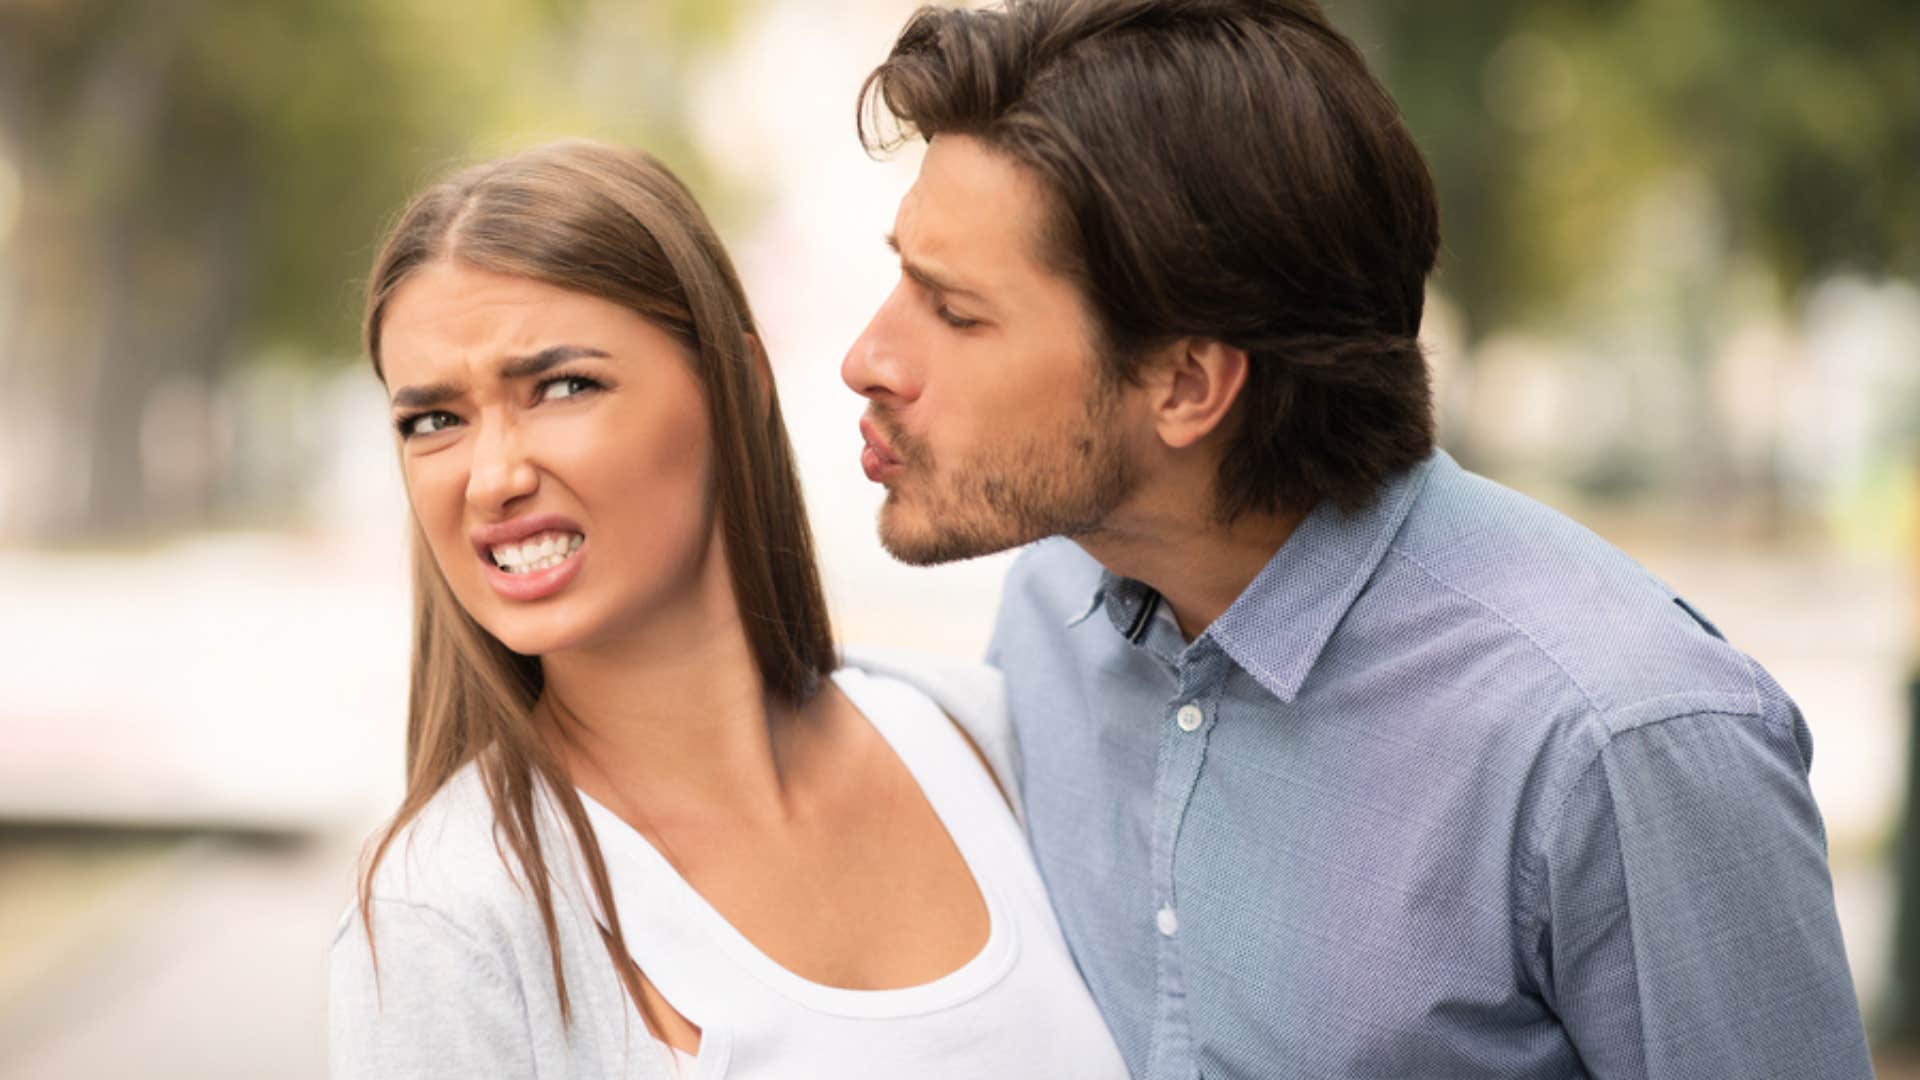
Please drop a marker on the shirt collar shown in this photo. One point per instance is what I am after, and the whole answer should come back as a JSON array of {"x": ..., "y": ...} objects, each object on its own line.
[
  {"x": 1278, "y": 627},
  {"x": 1125, "y": 602}
]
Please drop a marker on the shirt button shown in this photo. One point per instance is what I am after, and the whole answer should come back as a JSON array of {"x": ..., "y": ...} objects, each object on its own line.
[
  {"x": 1190, "y": 717},
  {"x": 1167, "y": 921}
]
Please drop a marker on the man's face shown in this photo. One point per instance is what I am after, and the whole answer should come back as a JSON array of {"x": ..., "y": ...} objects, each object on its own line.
[{"x": 989, "y": 420}]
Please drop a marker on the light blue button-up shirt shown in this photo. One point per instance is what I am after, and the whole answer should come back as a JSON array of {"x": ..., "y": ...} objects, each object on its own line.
[{"x": 1454, "y": 789}]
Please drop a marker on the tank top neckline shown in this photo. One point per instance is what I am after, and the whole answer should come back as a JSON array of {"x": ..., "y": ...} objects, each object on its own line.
[{"x": 912, "y": 728}]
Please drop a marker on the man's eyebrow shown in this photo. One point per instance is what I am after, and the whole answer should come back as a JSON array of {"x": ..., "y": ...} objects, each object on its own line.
[
  {"x": 928, "y": 279},
  {"x": 519, "y": 367}
]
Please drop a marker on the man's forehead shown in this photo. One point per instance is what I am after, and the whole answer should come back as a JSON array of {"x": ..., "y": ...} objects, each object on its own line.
[{"x": 973, "y": 208}]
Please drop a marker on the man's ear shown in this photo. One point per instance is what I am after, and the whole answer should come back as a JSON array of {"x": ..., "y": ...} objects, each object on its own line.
[
  {"x": 1194, "y": 384},
  {"x": 762, "y": 378}
]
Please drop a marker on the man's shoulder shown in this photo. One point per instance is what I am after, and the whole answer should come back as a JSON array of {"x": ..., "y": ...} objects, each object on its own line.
[{"x": 1508, "y": 572}]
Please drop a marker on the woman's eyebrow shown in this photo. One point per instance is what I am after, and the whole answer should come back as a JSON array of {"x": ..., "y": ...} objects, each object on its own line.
[
  {"x": 519, "y": 367},
  {"x": 425, "y": 397},
  {"x": 526, "y": 367}
]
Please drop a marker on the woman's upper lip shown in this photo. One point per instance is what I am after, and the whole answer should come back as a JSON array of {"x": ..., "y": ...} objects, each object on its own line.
[
  {"x": 870, "y": 431},
  {"x": 488, "y": 537}
]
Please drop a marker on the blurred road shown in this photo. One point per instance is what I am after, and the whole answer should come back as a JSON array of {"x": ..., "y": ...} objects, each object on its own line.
[{"x": 198, "y": 957}]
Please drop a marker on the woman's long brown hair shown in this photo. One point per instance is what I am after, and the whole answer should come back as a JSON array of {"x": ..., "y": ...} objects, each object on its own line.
[{"x": 616, "y": 224}]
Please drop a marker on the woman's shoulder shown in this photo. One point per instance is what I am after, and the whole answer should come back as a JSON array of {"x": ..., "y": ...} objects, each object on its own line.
[
  {"x": 447, "y": 863},
  {"x": 444, "y": 847},
  {"x": 972, "y": 695},
  {"x": 451, "y": 974}
]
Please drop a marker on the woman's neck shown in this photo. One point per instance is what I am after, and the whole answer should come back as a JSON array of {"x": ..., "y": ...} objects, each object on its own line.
[{"x": 673, "y": 713}]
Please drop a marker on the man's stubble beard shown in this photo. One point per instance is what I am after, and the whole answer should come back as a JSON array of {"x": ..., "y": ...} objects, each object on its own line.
[{"x": 1063, "y": 483}]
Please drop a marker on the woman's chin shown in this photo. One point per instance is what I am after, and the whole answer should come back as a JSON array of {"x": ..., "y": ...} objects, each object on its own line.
[{"x": 537, "y": 633}]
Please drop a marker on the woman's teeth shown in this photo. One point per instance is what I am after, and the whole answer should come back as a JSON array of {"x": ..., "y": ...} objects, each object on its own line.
[{"x": 536, "y": 553}]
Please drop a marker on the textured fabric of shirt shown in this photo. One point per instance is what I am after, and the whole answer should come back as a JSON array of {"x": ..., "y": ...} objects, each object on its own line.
[{"x": 1454, "y": 789}]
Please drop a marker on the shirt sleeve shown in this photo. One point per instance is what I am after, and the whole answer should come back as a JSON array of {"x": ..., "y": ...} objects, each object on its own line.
[
  {"x": 1689, "y": 924},
  {"x": 441, "y": 1006}
]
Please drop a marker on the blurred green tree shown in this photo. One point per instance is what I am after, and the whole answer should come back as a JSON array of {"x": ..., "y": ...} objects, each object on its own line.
[
  {"x": 1661, "y": 157},
  {"x": 198, "y": 180},
  {"x": 1548, "y": 122}
]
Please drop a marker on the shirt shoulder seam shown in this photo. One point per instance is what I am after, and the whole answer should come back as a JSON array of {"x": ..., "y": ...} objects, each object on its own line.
[
  {"x": 1753, "y": 687},
  {"x": 1526, "y": 915},
  {"x": 1587, "y": 695}
]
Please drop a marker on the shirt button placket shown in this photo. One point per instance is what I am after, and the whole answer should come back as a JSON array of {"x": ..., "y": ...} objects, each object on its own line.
[
  {"x": 1166, "y": 921},
  {"x": 1183, "y": 749},
  {"x": 1189, "y": 717},
  {"x": 1201, "y": 672}
]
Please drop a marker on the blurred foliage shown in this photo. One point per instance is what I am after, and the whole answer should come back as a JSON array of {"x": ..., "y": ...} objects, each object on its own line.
[
  {"x": 202, "y": 182},
  {"x": 307, "y": 122},
  {"x": 203, "y": 179},
  {"x": 1550, "y": 123}
]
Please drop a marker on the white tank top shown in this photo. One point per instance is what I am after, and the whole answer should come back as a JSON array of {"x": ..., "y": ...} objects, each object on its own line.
[{"x": 1017, "y": 1009}]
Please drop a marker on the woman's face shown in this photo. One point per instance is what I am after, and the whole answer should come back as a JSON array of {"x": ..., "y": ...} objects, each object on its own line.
[{"x": 555, "y": 450}]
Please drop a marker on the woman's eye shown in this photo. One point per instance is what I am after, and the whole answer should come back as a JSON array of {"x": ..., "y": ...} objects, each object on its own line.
[
  {"x": 566, "y": 386},
  {"x": 426, "y": 424}
]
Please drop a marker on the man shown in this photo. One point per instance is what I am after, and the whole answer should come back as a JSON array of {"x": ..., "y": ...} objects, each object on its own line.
[{"x": 1339, "y": 761}]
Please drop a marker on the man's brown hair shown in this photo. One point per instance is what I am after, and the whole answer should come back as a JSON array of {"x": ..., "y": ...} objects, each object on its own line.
[{"x": 1224, "y": 169}]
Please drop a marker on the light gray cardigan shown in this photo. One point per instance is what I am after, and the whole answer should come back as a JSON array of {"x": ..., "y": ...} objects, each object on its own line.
[{"x": 466, "y": 986}]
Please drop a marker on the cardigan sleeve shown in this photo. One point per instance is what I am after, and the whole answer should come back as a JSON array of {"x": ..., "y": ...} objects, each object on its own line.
[{"x": 441, "y": 1005}]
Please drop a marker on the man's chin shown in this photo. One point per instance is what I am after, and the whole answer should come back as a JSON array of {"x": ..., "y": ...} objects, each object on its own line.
[{"x": 916, "y": 541}]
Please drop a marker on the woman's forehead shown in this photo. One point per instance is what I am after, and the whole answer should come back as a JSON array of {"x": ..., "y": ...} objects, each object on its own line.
[{"x": 449, "y": 315}]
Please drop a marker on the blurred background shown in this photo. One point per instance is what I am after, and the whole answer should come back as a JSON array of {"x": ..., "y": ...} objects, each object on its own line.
[{"x": 1680, "y": 300}]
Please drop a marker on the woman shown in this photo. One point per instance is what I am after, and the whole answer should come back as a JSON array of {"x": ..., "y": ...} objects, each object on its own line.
[{"x": 649, "y": 829}]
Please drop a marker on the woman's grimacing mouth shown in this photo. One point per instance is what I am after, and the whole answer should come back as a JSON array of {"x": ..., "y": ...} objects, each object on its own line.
[
  {"x": 540, "y": 552},
  {"x": 535, "y": 568},
  {"x": 528, "y": 544}
]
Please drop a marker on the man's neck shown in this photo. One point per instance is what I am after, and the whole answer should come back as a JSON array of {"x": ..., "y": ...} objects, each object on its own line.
[{"x": 1198, "y": 565}]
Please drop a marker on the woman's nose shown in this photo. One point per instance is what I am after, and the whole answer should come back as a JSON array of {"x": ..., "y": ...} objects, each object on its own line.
[{"x": 500, "y": 471}]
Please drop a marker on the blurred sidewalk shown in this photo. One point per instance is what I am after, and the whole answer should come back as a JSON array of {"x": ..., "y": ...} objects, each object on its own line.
[{"x": 243, "y": 681}]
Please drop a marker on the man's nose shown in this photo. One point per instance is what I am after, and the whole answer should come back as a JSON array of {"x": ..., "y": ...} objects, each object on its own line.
[
  {"x": 877, "y": 365},
  {"x": 500, "y": 471}
]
